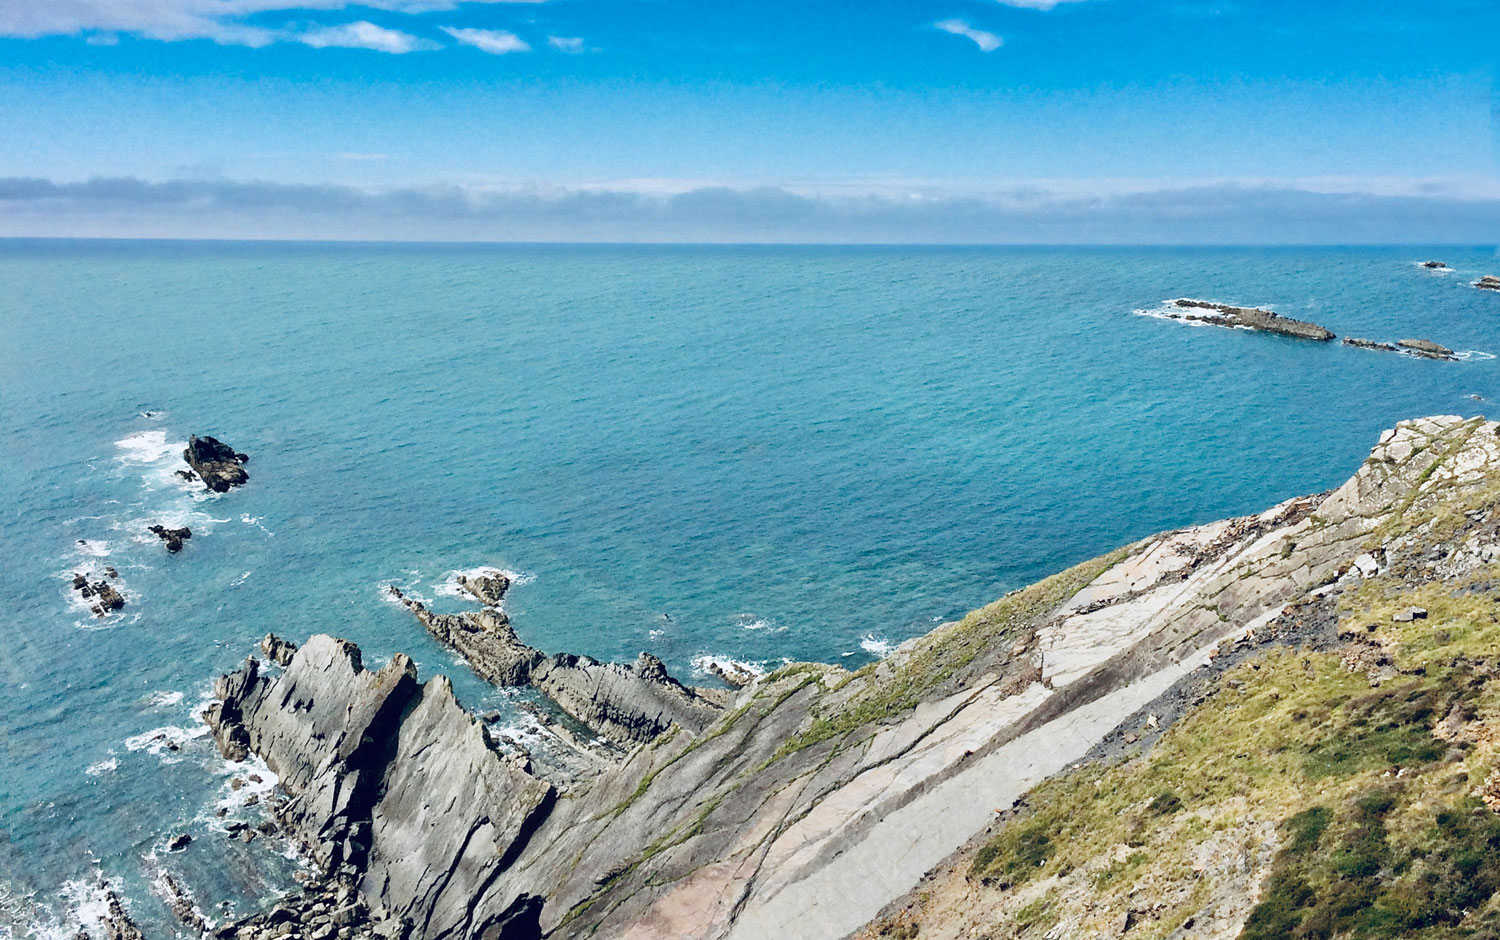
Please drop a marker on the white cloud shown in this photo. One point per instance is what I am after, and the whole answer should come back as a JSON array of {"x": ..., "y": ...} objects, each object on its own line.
[
  {"x": 986, "y": 41},
  {"x": 1035, "y": 4},
  {"x": 493, "y": 41},
  {"x": 364, "y": 35},
  {"x": 222, "y": 21},
  {"x": 566, "y": 43}
]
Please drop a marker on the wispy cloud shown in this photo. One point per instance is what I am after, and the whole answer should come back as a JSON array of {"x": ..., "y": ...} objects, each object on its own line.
[
  {"x": 364, "y": 35},
  {"x": 493, "y": 41},
  {"x": 566, "y": 43},
  {"x": 222, "y": 21},
  {"x": 985, "y": 40},
  {"x": 1210, "y": 213},
  {"x": 1036, "y": 4}
]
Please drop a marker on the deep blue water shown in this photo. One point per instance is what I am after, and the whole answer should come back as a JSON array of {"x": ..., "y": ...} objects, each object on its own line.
[{"x": 754, "y": 453}]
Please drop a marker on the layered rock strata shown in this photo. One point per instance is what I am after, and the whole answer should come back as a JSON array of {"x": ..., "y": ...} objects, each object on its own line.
[
  {"x": 818, "y": 795},
  {"x": 218, "y": 465},
  {"x": 1248, "y": 318}
]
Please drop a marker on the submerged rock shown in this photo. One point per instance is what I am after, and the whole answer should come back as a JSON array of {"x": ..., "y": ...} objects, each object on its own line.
[
  {"x": 173, "y": 537},
  {"x": 1250, "y": 318},
  {"x": 217, "y": 464}
]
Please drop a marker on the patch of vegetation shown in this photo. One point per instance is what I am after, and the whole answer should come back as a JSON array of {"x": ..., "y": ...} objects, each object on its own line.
[{"x": 1016, "y": 854}]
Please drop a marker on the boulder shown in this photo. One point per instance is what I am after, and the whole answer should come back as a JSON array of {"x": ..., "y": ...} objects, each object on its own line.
[
  {"x": 1410, "y": 614},
  {"x": 179, "y": 842},
  {"x": 217, "y": 464},
  {"x": 1433, "y": 264}
]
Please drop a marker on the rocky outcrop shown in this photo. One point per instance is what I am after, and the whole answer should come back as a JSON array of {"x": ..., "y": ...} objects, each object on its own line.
[
  {"x": 1247, "y": 318},
  {"x": 101, "y": 596},
  {"x": 625, "y": 704},
  {"x": 392, "y": 786},
  {"x": 1370, "y": 344},
  {"x": 218, "y": 465},
  {"x": 485, "y": 640},
  {"x": 1422, "y": 348},
  {"x": 1488, "y": 282},
  {"x": 488, "y": 588},
  {"x": 820, "y": 796},
  {"x": 1433, "y": 264},
  {"x": 277, "y": 650},
  {"x": 173, "y": 537}
]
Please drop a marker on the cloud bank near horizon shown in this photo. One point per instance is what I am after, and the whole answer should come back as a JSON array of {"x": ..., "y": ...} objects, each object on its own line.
[{"x": 1221, "y": 213}]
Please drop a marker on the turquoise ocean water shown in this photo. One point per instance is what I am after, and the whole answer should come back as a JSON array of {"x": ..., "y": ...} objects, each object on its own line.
[{"x": 748, "y": 453}]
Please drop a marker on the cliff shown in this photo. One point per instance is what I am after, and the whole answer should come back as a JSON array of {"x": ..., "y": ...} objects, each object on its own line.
[{"x": 1132, "y": 745}]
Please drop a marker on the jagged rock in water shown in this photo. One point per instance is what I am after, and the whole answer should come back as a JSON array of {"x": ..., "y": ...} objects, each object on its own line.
[
  {"x": 101, "y": 595},
  {"x": 1488, "y": 282},
  {"x": 116, "y": 922},
  {"x": 485, "y": 639},
  {"x": 1433, "y": 264},
  {"x": 489, "y": 588},
  {"x": 217, "y": 464},
  {"x": 1426, "y": 348},
  {"x": 1250, "y": 318},
  {"x": 277, "y": 650},
  {"x": 1370, "y": 344},
  {"x": 173, "y": 537}
]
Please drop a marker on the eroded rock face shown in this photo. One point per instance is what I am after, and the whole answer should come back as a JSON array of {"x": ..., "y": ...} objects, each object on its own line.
[
  {"x": 1426, "y": 348},
  {"x": 1250, "y": 318},
  {"x": 218, "y": 465},
  {"x": 392, "y": 785},
  {"x": 819, "y": 796},
  {"x": 485, "y": 639}
]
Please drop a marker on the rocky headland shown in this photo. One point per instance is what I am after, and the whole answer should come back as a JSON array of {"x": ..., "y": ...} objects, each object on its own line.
[
  {"x": 1247, "y": 318},
  {"x": 218, "y": 465},
  {"x": 1225, "y": 730}
]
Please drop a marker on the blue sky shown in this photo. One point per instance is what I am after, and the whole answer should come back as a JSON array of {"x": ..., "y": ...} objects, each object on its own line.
[{"x": 776, "y": 120}]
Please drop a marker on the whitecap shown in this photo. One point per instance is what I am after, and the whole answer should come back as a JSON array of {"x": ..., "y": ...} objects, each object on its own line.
[
  {"x": 875, "y": 645},
  {"x": 655, "y": 634},
  {"x": 99, "y": 768},
  {"x": 91, "y": 548},
  {"x": 147, "y": 447},
  {"x": 164, "y": 699},
  {"x": 240, "y": 580},
  {"x": 1473, "y": 355}
]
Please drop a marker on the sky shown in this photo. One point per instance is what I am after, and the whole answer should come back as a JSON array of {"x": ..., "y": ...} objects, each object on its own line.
[{"x": 1054, "y": 121}]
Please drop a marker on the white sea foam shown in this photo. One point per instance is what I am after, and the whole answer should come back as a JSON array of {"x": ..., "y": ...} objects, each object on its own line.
[
  {"x": 164, "y": 699},
  {"x": 99, "y": 768},
  {"x": 1473, "y": 355},
  {"x": 729, "y": 665},
  {"x": 147, "y": 447},
  {"x": 749, "y": 621},
  {"x": 81, "y": 902},
  {"x": 91, "y": 548},
  {"x": 384, "y": 589},
  {"x": 655, "y": 634},
  {"x": 876, "y": 645},
  {"x": 165, "y": 742}
]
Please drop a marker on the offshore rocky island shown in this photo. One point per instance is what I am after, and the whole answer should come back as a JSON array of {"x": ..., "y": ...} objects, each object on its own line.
[{"x": 1277, "y": 725}]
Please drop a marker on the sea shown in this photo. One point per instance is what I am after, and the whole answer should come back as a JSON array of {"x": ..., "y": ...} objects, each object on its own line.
[{"x": 714, "y": 453}]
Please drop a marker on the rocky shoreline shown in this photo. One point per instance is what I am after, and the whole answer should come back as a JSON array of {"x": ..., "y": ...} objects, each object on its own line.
[{"x": 808, "y": 801}]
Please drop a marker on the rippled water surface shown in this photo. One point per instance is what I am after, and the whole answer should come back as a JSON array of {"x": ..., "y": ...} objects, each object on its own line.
[{"x": 748, "y": 453}]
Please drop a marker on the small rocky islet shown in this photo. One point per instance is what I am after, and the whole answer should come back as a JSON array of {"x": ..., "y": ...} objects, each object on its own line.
[
  {"x": 1488, "y": 282},
  {"x": 1245, "y": 318},
  {"x": 1422, "y": 348}
]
